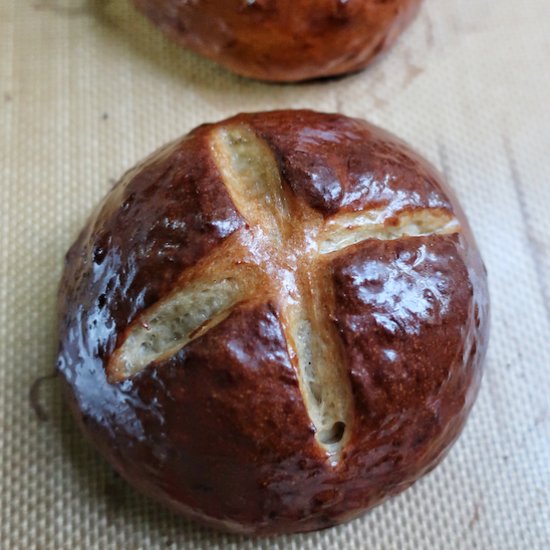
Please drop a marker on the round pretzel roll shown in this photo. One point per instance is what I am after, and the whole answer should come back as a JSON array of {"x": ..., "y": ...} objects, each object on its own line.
[
  {"x": 284, "y": 40},
  {"x": 275, "y": 322}
]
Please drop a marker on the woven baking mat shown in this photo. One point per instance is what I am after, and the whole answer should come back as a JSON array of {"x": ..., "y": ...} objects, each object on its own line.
[{"x": 87, "y": 88}]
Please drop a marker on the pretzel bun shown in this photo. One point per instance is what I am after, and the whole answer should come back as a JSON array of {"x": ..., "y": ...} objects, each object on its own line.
[
  {"x": 284, "y": 40},
  {"x": 275, "y": 322}
]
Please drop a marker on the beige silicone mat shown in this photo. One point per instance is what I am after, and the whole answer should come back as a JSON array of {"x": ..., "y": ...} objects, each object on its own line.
[{"x": 87, "y": 88}]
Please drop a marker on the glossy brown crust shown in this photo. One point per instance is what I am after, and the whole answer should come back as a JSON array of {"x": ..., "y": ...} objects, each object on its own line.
[
  {"x": 220, "y": 430},
  {"x": 284, "y": 40},
  {"x": 340, "y": 164},
  {"x": 404, "y": 310}
]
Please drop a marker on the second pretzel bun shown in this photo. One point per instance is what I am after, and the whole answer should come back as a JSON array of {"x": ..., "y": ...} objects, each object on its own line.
[
  {"x": 275, "y": 322},
  {"x": 284, "y": 40}
]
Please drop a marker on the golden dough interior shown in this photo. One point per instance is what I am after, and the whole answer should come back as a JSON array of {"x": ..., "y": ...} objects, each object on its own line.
[
  {"x": 348, "y": 229},
  {"x": 173, "y": 323},
  {"x": 294, "y": 246},
  {"x": 251, "y": 176}
]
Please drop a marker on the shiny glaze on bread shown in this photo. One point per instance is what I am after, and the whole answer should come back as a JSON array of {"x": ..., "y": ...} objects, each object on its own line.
[{"x": 275, "y": 322}]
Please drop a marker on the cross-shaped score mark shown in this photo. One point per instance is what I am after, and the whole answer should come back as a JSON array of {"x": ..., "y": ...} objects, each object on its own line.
[{"x": 281, "y": 256}]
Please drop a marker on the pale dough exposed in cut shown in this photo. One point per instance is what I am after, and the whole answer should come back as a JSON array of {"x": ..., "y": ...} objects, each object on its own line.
[{"x": 297, "y": 241}]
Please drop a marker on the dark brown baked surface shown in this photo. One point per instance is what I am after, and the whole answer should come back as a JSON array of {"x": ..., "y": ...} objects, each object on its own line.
[
  {"x": 275, "y": 322},
  {"x": 284, "y": 40}
]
